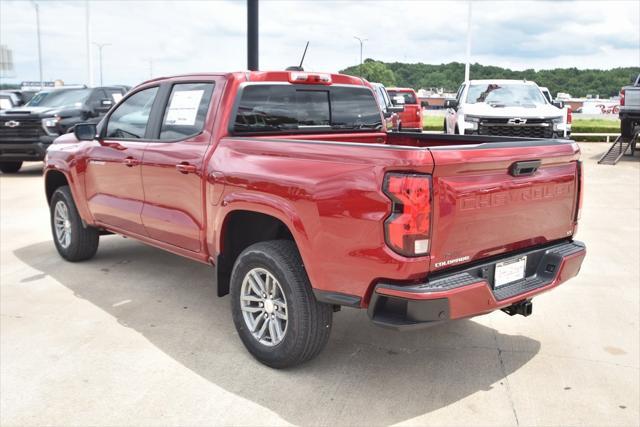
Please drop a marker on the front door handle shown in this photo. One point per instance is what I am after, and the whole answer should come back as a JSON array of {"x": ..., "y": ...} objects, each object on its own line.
[
  {"x": 130, "y": 161},
  {"x": 186, "y": 168}
]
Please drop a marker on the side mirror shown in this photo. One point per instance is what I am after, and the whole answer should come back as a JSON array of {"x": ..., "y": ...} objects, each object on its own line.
[
  {"x": 395, "y": 108},
  {"x": 85, "y": 131},
  {"x": 558, "y": 104},
  {"x": 451, "y": 103}
]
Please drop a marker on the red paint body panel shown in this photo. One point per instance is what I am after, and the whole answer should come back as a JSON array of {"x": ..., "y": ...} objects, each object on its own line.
[{"x": 326, "y": 188}]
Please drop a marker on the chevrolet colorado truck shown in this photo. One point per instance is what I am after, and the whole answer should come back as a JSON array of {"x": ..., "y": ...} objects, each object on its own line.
[
  {"x": 289, "y": 186},
  {"x": 630, "y": 108},
  {"x": 27, "y": 131},
  {"x": 505, "y": 108}
]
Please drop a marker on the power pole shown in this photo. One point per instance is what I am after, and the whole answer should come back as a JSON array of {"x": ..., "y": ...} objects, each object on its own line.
[
  {"x": 468, "y": 64},
  {"x": 361, "y": 40},
  {"x": 100, "y": 47},
  {"x": 39, "y": 45},
  {"x": 87, "y": 21}
]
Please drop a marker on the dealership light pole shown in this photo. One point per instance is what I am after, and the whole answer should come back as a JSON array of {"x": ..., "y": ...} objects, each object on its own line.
[
  {"x": 468, "y": 64},
  {"x": 39, "y": 45},
  {"x": 87, "y": 29},
  {"x": 100, "y": 47},
  {"x": 361, "y": 40}
]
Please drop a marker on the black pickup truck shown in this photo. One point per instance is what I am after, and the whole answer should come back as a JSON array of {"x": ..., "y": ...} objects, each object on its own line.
[
  {"x": 27, "y": 131},
  {"x": 630, "y": 108}
]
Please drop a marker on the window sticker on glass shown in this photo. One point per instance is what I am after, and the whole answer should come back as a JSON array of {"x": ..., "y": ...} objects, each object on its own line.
[{"x": 183, "y": 108}]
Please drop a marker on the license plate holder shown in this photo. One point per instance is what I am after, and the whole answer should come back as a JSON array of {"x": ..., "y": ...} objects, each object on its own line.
[{"x": 509, "y": 271}]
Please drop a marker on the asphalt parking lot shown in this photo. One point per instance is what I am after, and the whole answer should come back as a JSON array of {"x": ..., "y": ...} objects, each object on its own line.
[{"x": 137, "y": 336}]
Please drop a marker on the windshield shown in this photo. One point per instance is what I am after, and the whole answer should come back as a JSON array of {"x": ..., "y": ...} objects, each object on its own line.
[
  {"x": 265, "y": 108},
  {"x": 503, "y": 95},
  {"x": 409, "y": 97},
  {"x": 59, "y": 98}
]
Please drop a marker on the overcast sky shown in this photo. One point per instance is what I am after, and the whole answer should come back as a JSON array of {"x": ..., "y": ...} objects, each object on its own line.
[{"x": 191, "y": 36}]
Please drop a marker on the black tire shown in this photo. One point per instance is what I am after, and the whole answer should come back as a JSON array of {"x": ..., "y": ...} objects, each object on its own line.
[
  {"x": 10, "y": 167},
  {"x": 309, "y": 322},
  {"x": 626, "y": 128},
  {"x": 83, "y": 242}
]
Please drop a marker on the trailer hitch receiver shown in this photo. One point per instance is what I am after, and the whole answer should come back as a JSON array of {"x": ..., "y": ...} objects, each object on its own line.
[{"x": 524, "y": 308}]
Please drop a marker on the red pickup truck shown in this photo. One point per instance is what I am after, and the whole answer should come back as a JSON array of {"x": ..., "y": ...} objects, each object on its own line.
[
  {"x": 289, "y": 186},
  {"x": 411, "y": 116}
]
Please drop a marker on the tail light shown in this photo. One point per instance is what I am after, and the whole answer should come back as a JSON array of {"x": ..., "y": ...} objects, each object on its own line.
[
  {"x": 580, "y": 188},
  {"x": 622, "y": 97},
  {"x": 408, "y": 228},
  {"x": 569, "y": 114}
]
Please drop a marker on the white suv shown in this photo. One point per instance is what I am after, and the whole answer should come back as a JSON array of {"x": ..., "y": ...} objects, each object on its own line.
[{"x": 505, "y": 108}]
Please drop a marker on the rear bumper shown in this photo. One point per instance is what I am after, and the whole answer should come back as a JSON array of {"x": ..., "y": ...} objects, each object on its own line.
[
  {"x": 26, "y": 151},
  {"x": 470, "y": 292},
  {"x": 629, "y": 113}
]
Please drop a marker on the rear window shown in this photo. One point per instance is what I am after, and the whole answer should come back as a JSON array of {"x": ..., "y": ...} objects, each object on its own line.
[
  {"x": 409, "y": 97},
  {"x": 297, "y": 108}
]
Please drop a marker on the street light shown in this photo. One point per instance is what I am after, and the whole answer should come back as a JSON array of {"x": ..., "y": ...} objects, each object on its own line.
[
  {"x": 39, "y": 45},
  {"x": 100, "y": 47},
  {"x": 361, "y": 43}
]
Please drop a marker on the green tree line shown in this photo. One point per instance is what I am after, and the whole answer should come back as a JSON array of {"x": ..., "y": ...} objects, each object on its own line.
[{"x": 578, "y": 83}]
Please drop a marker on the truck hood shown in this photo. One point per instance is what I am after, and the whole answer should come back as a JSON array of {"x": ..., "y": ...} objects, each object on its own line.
[
  {"x": 35, "y": 111},
  {"x": 485, "y": 110}
]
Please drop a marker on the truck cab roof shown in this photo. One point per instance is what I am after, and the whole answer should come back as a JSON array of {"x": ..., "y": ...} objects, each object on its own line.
[{"x": 300, "y": 77}]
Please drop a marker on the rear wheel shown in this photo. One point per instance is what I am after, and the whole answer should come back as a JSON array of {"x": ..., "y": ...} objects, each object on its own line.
[
  {"x": 74, "y": 241},
  {"x": 274, "y": 310},
  {"x": 10, "y": 167}
]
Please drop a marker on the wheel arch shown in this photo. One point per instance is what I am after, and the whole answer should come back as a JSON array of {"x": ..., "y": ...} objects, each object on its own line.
[
  {"x": 53, "y": 180},
  {"x": 242, "y": 227}
]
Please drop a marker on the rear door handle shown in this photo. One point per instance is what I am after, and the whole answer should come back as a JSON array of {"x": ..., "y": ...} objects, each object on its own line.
[
  {"x": 186, "y": 168},
  {"x": 130, "y": 161}
]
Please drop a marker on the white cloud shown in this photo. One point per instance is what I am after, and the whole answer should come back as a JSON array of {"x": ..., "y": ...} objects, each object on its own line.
[{"x": 186, "y": 36}]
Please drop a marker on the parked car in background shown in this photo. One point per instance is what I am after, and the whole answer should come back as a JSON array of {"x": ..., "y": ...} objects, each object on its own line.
[
  {"x": 10, "y": 98},
  {"x": 504, "y": 108},
  {"x": 390, "y": 112},
  {"x": 288, "y": 183},
  {"x": 411, "y": 117},
  {"x": 27, "y": 131},
  {"x": 630, "y": 108}
]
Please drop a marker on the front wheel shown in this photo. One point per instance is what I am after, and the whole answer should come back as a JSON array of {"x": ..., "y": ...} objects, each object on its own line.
[
  {"x": 10, "y": 167},
  {"x": 74, "y": 241},
  {"x": 274, "y": 310}
]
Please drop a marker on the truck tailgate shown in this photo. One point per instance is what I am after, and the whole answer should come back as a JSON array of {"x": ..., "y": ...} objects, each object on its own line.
[{"x": 487, "y": 200}]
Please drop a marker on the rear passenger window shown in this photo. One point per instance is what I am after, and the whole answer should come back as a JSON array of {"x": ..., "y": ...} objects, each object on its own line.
[
  {"x": 186, "y": 111},
  {"x": 297, "y": 108}
]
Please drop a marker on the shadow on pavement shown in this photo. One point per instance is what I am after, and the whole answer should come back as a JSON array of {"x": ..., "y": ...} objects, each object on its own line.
[
  {"x": 366, "y": 375},
  {"x": 29, "y": 169}
]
